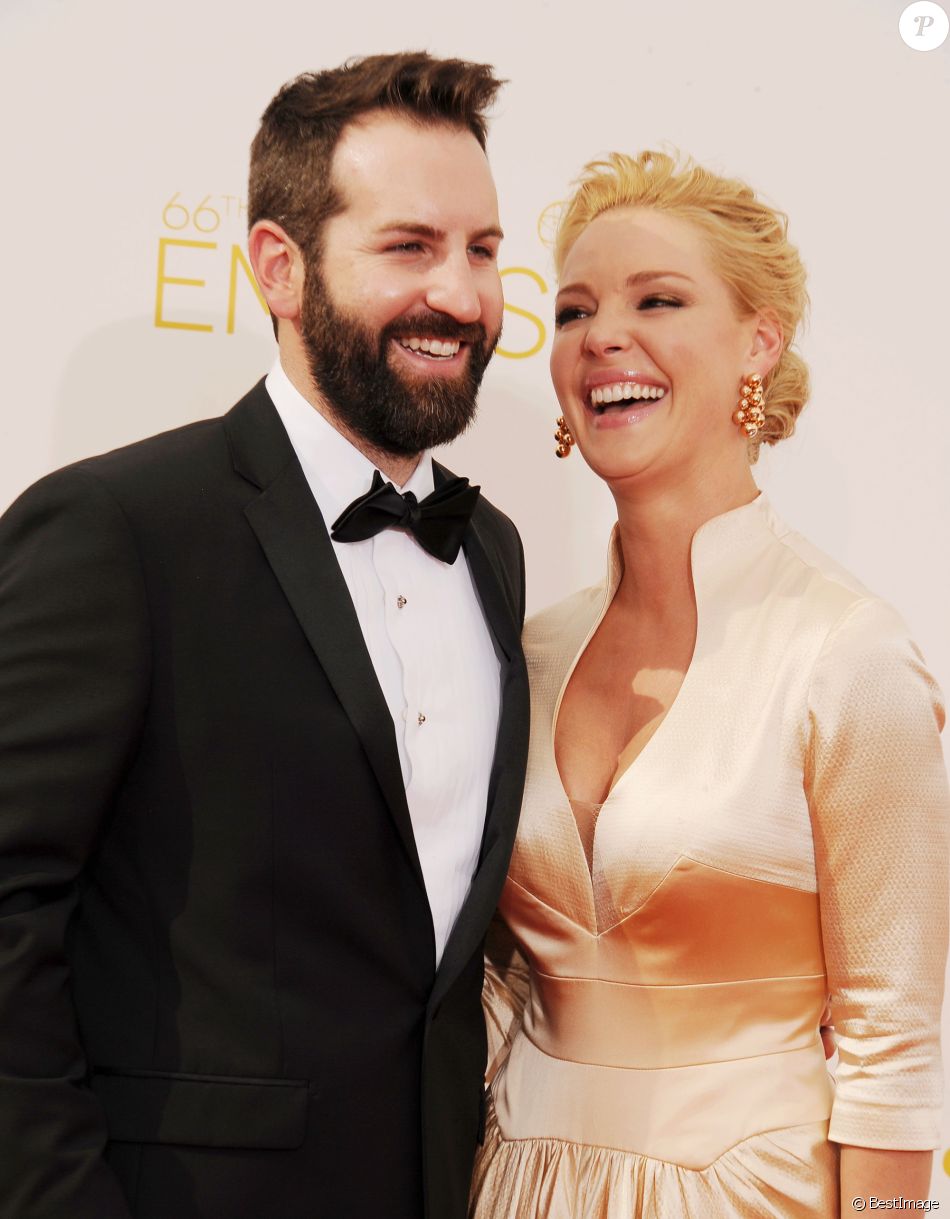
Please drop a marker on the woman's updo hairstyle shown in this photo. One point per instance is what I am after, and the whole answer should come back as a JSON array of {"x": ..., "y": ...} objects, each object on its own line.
[{"x": 748, "y": 244}]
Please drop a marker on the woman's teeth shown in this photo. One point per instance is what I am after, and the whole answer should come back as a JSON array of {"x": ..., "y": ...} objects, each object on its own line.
[
  {"x": 442, "y": 349},
  {"x": 624, "y": 391}
]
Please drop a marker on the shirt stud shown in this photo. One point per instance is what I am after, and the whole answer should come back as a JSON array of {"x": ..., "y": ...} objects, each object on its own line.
[{"x": 400, "y": 602}]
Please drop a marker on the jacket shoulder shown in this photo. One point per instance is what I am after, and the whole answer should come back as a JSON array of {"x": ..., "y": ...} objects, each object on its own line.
[
  {"x": 174, "y": 471},
  {"x": 133, "y": 469},
  {"x": 500, "y": 526}
]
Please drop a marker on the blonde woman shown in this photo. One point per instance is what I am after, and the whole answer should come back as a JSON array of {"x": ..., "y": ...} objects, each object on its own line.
[{"x": 736, "y": 801}]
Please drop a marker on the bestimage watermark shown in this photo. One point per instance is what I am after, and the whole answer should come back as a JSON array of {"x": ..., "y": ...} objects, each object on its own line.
[{"x": 894, "y": 1204}]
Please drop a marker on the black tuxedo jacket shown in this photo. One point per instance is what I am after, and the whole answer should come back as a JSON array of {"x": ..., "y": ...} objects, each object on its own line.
[{"x": 218, "y": 996}]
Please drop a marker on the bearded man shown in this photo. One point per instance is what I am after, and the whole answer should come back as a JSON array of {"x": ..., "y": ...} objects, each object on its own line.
[{"x": 264, "y": 721}]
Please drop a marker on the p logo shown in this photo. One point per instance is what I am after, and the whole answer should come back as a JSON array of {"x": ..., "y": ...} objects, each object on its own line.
[{"x": 924, "y": 26}]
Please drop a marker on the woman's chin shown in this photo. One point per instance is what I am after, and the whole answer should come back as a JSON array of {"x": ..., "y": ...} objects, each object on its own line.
[{"x": 616, "y": 467}]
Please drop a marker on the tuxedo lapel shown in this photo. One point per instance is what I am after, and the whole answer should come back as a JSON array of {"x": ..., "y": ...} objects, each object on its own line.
[
  {"x": 507, "y": 775},
  {"x": 503, "y": 625},
  {"x": 498, "y": 611},
  {"x": 295, "y": 541},
  {"x": 497, "y": 607}
]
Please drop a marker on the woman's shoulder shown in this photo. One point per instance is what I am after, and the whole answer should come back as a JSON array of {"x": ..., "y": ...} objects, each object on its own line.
[
  {"x": 826, "y": 570},
  {"x": 834, "y": 595},
  {"x": 854, "y": 630}
]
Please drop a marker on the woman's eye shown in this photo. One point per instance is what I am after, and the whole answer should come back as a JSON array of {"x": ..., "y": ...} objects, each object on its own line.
[
  {"x": 657, "y": 302},
  {"x": 569, "y": 314}
]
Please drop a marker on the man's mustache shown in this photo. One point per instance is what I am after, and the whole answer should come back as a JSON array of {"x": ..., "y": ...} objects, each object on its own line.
[{"x": 430, "y": 324}]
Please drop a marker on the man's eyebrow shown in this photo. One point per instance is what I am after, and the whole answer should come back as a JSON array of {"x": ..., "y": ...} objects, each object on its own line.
[
  {"x": 434, "y": 234},
  {"x": 417, "y": 230},
  {"x": 631, "y": 281}
]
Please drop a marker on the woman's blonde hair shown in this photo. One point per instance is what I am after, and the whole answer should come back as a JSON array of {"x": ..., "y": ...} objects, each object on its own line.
[{"x": 748, "y": 244}]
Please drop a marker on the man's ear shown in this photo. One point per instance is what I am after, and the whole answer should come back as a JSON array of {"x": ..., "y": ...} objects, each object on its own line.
[{"x": 278, "y": 268}]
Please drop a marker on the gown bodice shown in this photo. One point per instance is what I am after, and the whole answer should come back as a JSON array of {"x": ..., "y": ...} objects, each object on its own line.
[{"x": 736, "y": 876}]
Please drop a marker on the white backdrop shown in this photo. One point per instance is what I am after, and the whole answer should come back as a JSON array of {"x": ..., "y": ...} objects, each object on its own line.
[{"x": 126, "y": 130}]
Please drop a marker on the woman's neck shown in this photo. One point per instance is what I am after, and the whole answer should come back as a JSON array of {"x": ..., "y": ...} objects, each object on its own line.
[{"x": 657, "y": 524}]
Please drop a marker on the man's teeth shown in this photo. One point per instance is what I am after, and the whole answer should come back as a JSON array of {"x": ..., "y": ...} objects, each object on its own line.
[
  {"x": 433, "y": 347},
  {"x": 622, "y": 390}
]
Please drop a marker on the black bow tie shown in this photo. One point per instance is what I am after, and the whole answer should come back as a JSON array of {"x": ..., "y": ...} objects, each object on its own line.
[{"x": 438, "y": 522}]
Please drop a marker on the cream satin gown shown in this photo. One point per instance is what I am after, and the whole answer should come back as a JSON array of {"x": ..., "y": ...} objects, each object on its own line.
[{"x": 654, "y": 1015}]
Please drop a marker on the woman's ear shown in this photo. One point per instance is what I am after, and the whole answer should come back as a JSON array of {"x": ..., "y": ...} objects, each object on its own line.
[{"x": 768, "y": 342}]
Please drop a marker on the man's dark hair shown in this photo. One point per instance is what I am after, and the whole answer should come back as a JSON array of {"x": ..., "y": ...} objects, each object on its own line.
[{"x": 292, "y": 152}]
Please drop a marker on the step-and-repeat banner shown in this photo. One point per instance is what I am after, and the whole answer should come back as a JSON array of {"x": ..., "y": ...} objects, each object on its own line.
[{"x": 129, "y": 307}]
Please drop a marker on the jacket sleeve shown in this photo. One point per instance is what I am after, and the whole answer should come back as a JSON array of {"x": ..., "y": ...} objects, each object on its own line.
[
  {"x": 877, "y": 791},
  {"x": 73, "y": 686}
]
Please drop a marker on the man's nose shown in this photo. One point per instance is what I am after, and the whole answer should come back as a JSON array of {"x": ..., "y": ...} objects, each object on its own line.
[{"x": 453, "y": 290}]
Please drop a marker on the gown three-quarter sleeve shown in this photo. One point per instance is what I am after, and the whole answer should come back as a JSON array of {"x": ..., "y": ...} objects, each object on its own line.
[{"x": 877, "y": 793}]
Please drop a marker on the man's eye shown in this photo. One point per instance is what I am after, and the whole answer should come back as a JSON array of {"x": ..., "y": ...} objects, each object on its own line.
[
  {"x": 483, "y": 252},
  {"x": 570, "y": 313},
  {"x": 406, "y": 247},
  {"x": 657, "y": 302}
]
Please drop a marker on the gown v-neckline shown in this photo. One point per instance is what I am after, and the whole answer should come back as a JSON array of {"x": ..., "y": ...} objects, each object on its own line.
[
  {"x": 615, "y": 573},
  {"x": 710, "y": 545}
]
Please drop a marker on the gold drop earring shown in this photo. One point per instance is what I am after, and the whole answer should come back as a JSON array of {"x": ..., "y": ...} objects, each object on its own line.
[
  {"x": 565, "y": 441},
  {"x": 750, "y": 416}
]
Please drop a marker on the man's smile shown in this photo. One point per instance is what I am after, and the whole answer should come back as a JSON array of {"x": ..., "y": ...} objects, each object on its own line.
[
  {"x": 441, "y": 356},
  {"x": 438, "y": 348}
]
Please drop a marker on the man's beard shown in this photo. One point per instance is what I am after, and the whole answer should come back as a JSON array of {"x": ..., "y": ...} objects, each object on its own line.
[{"x": 401, "y": 415}]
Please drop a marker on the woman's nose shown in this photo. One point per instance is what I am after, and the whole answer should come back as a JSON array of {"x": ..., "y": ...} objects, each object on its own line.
[{"x": 608, "y": 333}]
